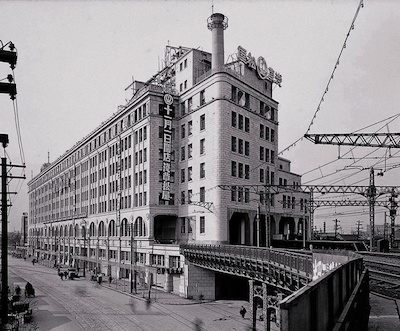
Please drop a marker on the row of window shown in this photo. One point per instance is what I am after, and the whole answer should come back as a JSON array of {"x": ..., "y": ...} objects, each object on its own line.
[
  {"x": 187, "y": 105},
  {"x": 202, "y": 173},
  {"x": 240, "y": 146},
  {"x": 243, "y": 99},
  {"x": 267, "y": 177},
  {"x": 267, "y": 133},
  {"x": 183, "y": 65},
  {"x": 240, "y": 170},
  {"x": 289, "y": 202},
  {"x": 267, "y": 155},
  {"x": 188, "y": 198},
  {"x": 240, "y": 121},
  {"x": 125, "y": 144}
]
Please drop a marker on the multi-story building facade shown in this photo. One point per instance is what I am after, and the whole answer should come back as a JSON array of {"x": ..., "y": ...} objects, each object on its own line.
[{"x": 188, "y": 159}]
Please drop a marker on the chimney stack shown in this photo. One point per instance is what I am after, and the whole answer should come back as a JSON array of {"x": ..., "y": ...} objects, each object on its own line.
[{"x": 217, "y": 23}]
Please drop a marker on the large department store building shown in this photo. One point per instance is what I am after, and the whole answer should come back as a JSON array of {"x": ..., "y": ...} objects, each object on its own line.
[{"x": 177, "y": 164}]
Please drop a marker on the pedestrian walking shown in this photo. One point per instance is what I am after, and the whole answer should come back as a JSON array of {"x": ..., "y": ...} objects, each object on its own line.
[
  {"x": 66, "y": 274},
  {"x": 243, "y": 311},
  {"x": 148, "y": 303},
  {"x": 109, "y": 279}
]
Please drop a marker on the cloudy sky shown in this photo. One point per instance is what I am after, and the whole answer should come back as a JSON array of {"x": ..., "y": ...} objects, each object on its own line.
[{"x": 75, "y": 59}]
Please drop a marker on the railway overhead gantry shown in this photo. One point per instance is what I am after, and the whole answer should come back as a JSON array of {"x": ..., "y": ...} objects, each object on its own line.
[
  {"x": 380, "y": 140},
  {"x": 370, "y": 192}
]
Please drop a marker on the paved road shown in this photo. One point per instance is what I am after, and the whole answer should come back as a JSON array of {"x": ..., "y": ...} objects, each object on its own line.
[{"x": 84, "y": 305}]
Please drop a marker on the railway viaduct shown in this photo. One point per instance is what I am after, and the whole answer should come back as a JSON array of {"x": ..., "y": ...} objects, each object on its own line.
[{"x": 301, "y": 290}]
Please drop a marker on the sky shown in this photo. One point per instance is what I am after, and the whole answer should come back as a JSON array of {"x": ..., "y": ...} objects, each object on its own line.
[{"x": 76, "y": 58}]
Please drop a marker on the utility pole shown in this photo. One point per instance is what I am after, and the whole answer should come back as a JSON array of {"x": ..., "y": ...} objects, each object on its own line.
[
  {"x": 4, "y": 239},
  {"x": 258, "y": 225},
  {"x": 384, "y": 227},
  {"x": 392, "y": 213},
  {"x": 9, "y": 88},
  {"x": 336, "y": 221},
  {"x": 371, "y": 195},
  {"x": 358, "y": 228}
]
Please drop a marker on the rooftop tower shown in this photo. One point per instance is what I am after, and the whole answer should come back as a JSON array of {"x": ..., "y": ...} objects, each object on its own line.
[{"x": 217, "y": 23}]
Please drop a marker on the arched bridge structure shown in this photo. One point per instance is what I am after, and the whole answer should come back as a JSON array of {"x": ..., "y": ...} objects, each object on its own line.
[{"x": 286, "y": 270}]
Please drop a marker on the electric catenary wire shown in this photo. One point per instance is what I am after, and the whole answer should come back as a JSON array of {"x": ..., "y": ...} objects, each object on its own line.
[
  {"x": 360, "y": 5},
  {"x": 356, "y": 160},
  {"x": 17, "y": 126}
]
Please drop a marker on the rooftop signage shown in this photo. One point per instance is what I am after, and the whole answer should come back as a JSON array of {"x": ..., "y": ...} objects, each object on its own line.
[
  {"x": 167, "y": 140},
  {"x": 260, "y": 66}
]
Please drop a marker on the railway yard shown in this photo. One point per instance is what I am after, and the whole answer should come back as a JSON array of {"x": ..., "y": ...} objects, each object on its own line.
[{"x": 384, "y": 273}]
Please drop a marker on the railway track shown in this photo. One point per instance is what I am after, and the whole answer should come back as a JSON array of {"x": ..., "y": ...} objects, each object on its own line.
[{"x": 384, "y": 273}]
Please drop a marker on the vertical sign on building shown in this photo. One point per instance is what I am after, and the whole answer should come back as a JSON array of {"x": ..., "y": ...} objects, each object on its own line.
[
  {"x": 119, "y": 186},
  {"x": 167, "y": 141}
]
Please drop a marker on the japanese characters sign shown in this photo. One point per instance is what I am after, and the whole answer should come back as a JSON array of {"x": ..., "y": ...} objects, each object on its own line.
[
  {"x": 167, "y": 142},
  {"x": 259, "y": 65}
]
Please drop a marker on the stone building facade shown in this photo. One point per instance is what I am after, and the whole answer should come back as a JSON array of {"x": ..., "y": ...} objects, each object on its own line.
[{"x": 189, "y": 159}]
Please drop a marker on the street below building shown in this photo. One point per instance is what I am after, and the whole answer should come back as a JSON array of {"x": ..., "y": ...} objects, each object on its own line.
[{"x": 81, "y": 304}]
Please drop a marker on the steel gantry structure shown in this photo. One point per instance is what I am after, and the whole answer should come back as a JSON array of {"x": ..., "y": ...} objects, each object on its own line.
[
  {"x": 370, "y": 192},
  {"x": 385, "y": 140}
]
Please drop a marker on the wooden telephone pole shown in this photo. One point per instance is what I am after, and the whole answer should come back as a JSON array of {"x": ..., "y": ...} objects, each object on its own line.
[{"x": 8, "y": 88}]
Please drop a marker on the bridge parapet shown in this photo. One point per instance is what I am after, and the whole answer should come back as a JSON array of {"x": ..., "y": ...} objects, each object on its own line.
[
  {"x": 285, "y": 269},
  {"x": 338, "y": 300}
]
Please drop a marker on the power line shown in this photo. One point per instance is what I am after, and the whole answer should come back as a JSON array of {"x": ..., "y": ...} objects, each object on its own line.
[{"x": 352, "y": 25}]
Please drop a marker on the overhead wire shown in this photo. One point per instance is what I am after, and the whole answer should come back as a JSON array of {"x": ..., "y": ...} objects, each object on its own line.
[
  {"x": 19, "y": 141},
  {"x": 352, "y": 25},
  {"x": 390, "y": 119}
]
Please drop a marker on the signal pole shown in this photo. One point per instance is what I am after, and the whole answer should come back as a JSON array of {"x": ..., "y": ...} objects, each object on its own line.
[
  {"x": 4, "y": 238},
  {"x": 9, "y": 88}
]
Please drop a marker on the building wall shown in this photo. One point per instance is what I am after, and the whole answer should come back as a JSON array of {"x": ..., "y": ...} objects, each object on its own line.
[{"x": 200, "y": 283}]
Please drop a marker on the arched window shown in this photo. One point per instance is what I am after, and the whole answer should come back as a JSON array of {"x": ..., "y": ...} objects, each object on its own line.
[
  {"x": 139, "y": 228},
  {"x": 102, "y": 231},
  {"x": 92, "y": 230},
  {"x": 61, "y": 231},
  {"x": 125, "y": 228},
  {"x": 111, "y": 229},
  {"x": 71, "y": 231},
  {"x": 83, "y": 232},
  {"x": 65, "y": 230},
  {"x": 76, "y": 234}
]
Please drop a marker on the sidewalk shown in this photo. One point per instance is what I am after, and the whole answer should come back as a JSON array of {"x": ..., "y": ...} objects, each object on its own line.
[
  {"x": 156, "y": 295},
  {"x": 384, "y": 314}
]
